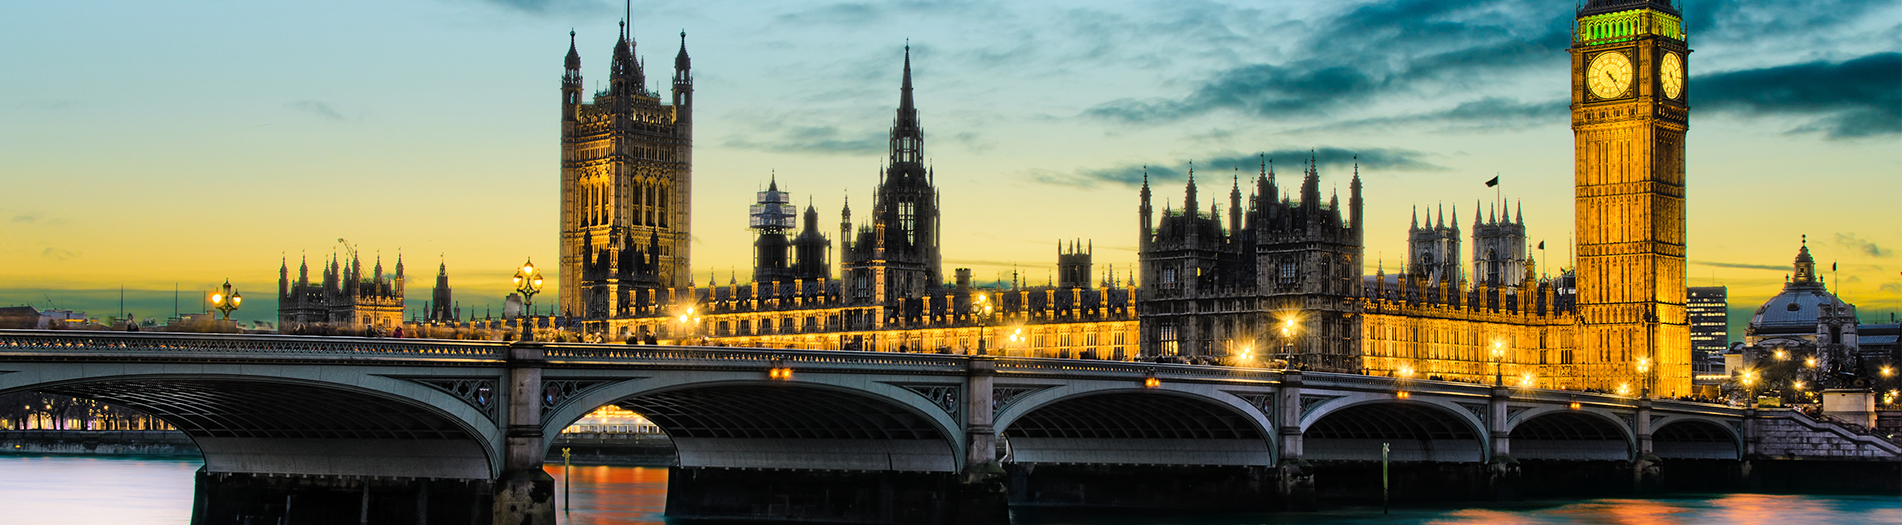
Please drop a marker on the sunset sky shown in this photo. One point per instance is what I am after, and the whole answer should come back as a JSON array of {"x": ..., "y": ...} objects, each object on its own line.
[{"x": 153, "y": 144}]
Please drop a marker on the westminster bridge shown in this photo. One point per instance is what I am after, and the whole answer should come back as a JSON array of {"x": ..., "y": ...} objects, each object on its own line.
[{"x": 446, "y": 431}]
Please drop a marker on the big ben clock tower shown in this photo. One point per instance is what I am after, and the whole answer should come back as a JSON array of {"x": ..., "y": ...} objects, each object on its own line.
[{"x": 1629, "y": 116}]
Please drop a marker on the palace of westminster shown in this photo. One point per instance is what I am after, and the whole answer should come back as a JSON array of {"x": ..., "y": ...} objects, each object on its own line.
[{"x": 1274, "y": 272}]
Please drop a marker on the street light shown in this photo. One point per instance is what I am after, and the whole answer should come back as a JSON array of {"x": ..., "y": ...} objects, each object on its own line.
[
  {"x": 225, "y": 301},
  {"x": 1750, "y": 389},
  {"x": 1499, "y": 363},
  {"x": 981, "y": 309},
  {"x": 1644, "y": 378},
  {"x": 1287, "y": 340},
  {"x": 528, "y": 282}
]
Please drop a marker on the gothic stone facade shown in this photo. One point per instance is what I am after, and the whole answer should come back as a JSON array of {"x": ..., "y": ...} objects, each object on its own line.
[
  {"x": 626, "y": 181},
  {"x": 345, "y": 297}
]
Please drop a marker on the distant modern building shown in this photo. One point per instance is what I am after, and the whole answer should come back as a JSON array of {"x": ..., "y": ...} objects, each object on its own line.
[{"x": 1708, "y": 309}]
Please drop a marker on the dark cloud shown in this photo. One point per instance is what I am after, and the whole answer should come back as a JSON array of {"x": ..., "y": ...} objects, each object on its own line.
[
  {"x": 58, "y": 254},
  {"x": 1743, "y": 266},
  {"x": 1861, "y": 97},
  {"x": 1864, "y": 246},
  {"x": 1730, "y": 23},
  {"x": 1890, "y": 287},
  {"x": 1330, "y": 160},
  {"x": 1370, "y": 51},
  {"x": 1486, "y": 114},
  {"x": 316, "y": 107},
  {"x": 28, "y": 218}
]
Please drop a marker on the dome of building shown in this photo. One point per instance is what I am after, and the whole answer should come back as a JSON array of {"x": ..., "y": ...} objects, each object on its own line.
[{"x": 1803, "y": 303}]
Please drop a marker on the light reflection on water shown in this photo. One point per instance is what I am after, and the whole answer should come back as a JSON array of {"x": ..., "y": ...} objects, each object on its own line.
[{"x": 123, "y": 491}]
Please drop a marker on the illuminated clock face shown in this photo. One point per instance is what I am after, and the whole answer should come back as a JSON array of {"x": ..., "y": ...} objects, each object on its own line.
[
  {"x": 1609, "y": 74},
  {"x": 1671, "y": 73}
]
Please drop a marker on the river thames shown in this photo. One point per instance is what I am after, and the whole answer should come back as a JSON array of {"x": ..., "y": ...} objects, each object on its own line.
[{"x": 88, "y": 490}]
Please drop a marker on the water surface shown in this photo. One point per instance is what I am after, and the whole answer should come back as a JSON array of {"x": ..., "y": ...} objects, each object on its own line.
[{"x": 97, "y": 490}]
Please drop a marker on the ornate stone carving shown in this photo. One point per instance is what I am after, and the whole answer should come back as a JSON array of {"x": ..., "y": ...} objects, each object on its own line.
[{"x": 477, "y": 392}]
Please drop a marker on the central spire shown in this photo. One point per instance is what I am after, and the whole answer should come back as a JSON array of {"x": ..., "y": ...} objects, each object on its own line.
[{"x": 907, "y": 136}]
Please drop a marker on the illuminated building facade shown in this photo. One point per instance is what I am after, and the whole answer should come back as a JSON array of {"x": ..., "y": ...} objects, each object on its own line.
[
  {"x": 1523, "y": 334},
  {"x": 345, "y": 296},
  {"x": 1629, "y": 118},
  {"x": 1278, "y": 278},
  {"x": 626, "y": 184}
]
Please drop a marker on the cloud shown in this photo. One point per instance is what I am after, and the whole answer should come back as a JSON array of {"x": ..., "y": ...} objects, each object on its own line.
[
  {"x": 547, "y": 6},
  {"x": 1368, "y": 52},
  {"x": 1850, "y": 99},
  {"x": 316, "y": 107},
  {"x": 1485, "y": 114},
  {"x": 1850, "y": 240},
  {"x": 1742, "y": 266},
  {"x": 818, "y": 139},
  {"x": 58, "y": 254},
  {"x": 1290, "y": 160},
  {"x": 1890, "y": 287},
  {"x": 28, "y": 218}
]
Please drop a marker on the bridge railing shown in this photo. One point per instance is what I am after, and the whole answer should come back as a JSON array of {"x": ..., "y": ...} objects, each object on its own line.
[
  {"x": 722, "y": 357},
  {"x": 59, "y": 343},
  {"x": 1120, "y": 369}
]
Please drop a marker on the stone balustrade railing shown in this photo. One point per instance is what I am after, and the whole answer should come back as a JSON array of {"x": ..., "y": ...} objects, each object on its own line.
[{"x": 56, "y": 343}]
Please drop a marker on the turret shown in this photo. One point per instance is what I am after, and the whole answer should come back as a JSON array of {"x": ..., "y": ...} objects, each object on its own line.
[
  {"x": 683, "y": 82},
  {"x": 845, "y": 228},
  {"x": 1235, "y": 206},
  {"x": 1146, "y": 211},
  {"x": 571, "y": 82},
  {"x": 626, "y": 77},
  {"x": 397, "y": 285},
  {"x": 1311, "y": 188},
  {"x": 283, "y": 278},
  {"x": 1354, "y": 205},
  {"x": 1188, "y": 200}
]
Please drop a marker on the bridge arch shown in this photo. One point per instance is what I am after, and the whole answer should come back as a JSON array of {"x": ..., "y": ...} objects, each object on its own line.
[
  {"x": 1694, "y": 437},
  {"x": 1417, "y": 429},
  {"x": 344, "y": 421},
  {"x": 1118, "y": 423},
  {"x": 1558, "y": 432},
  {"x": 819, "y": 421}
]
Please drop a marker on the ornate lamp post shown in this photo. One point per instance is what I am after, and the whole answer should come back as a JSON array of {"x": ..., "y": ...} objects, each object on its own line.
[
  {"x": 1499, "y": 363},
  {"x": 1287, "y": 341},
  {"x": 1644, "y": 377},
  {"x": 225, "y": 301},
  {"x": 528, "y": 282},
  {"x": 981, "y": 309}
]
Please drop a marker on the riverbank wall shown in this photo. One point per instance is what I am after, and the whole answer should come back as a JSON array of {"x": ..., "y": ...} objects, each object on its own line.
[{"x": 98, "y": 442}]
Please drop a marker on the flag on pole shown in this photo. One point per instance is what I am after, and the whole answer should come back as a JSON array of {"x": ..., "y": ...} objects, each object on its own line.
[
  {"x": 1541, "y": 245},
  {"x": 1494, "y": 182},
  {"x": 1832, "y": 266}
]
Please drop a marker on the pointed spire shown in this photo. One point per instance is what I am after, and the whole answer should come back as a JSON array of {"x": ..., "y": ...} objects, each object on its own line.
[
  {"x": 908, "y": 136},
  {"x": 681, "y": 63},
  {"x": 1519, "y": 213},
  {"x": 574, "y": 56},
  {"x": 1416, "y": 218},
  {"x": 1442, "y": 223}
]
